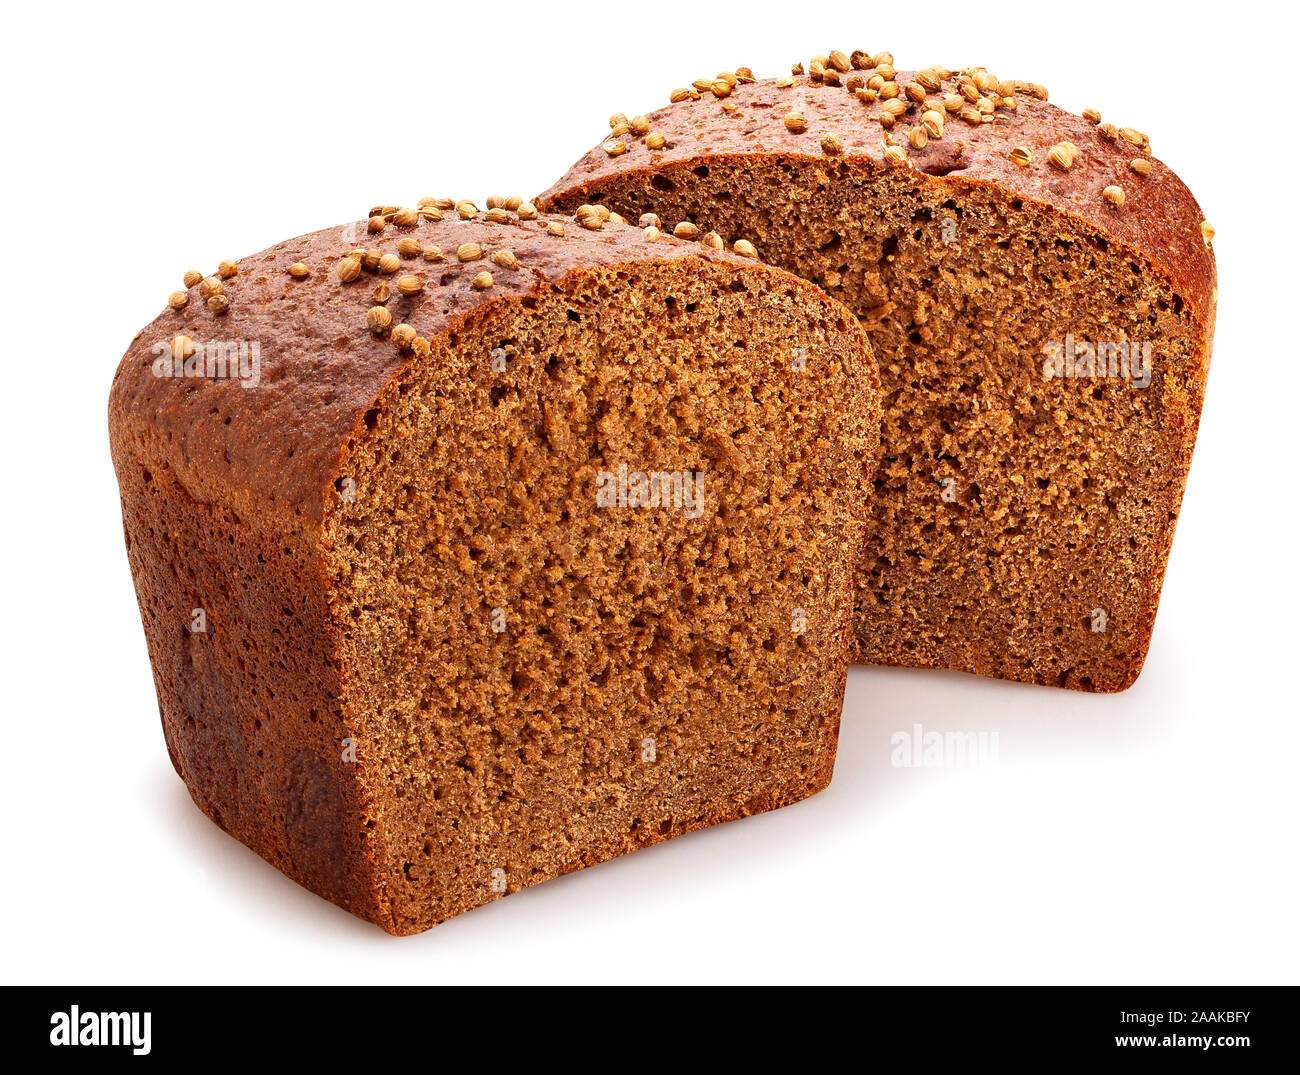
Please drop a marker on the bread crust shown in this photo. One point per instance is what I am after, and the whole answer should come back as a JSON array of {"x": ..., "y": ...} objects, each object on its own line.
[
  {"x": 322, "y": 371},
  {"x": 1160, "y": 218}
]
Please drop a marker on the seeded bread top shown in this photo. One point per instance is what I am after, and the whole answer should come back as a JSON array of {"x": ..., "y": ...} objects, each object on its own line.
[
  {"x": 966, "y": 125},
  {"x": 335, "y": 315}
]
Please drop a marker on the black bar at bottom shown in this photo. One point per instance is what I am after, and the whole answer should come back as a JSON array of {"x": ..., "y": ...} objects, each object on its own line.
[{"x": 333, "y": 1025}]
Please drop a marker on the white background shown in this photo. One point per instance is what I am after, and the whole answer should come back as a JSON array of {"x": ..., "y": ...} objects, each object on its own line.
[{"x": 1146, "y": 837}]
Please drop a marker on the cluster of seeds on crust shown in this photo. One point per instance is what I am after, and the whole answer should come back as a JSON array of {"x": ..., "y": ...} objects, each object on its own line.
[
  {"x": 930, "y": 98},
  {"x": 972, "y": 95},
  {"x": 379, "y": 320},
  {"x": 720, "y": 87},
  {"x": 622, "y": 130},
  {"x": 595, "y": 217},
  {"x": 211, "y": 288},
  {"x": 388, "y": 265},
  {"x": 1113, "y": 194}
]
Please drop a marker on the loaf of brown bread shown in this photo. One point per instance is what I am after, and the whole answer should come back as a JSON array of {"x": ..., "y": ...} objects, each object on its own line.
[
  {"x": 474, "y": 547},
  {"x": 1039, "y": 291}
]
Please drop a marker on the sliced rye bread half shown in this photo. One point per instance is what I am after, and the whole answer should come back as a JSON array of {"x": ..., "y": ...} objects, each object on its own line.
[
  {"x": 473, "y": 548},
  {"x": 1040, "y": 293}
]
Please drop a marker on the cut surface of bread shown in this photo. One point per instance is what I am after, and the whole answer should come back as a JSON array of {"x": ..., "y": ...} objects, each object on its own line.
[
  {"x": 1039, "y": 292},
  {"x": 535, "y": 571}
]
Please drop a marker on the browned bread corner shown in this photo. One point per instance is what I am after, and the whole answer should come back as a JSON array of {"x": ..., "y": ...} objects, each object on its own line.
[
  {"x": 1001, "y": 252},
  {"x": 474, "y": 546}
]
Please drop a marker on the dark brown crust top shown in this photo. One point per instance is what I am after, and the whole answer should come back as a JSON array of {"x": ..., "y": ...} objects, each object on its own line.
[
  {"x": 1159, "y": 218},
  {"x": 277, "y": 446}
]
